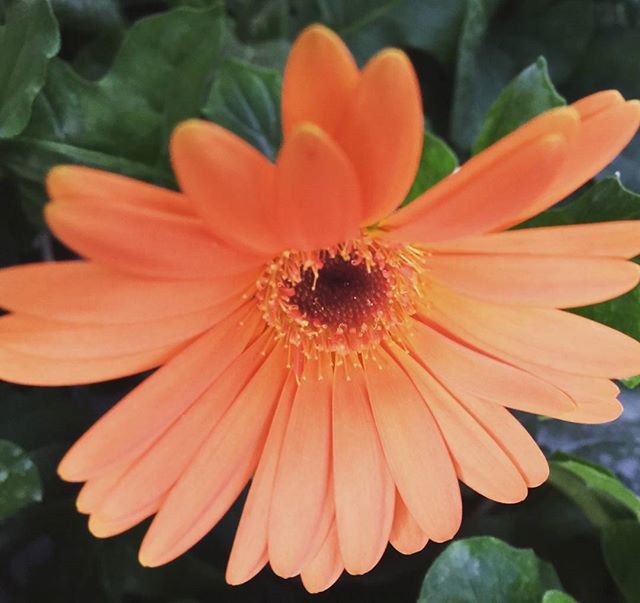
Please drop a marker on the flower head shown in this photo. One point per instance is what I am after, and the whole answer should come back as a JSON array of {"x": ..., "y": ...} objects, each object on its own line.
[{"x": 353, "y": 360}]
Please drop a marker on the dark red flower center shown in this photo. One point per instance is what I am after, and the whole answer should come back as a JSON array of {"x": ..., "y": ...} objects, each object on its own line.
[{"x": 345, "y": 293}]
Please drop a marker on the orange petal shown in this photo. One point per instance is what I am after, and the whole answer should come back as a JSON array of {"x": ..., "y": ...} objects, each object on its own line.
[
  {"x": 30, "y": 369},
  {"x": 534, "y": 280},
  {"x": 364, "y": 488},
  {"x": 406, "y": 535},
  {"x": 326, "y": 521},
  {"x": 383, "y": 132},
  {"x": 103, "y": 526},
  {"x": 577, "y": 387},
  {"x": 230, "y": 184},
  {"x": 249, "y": 552},
  {"x": 417, "y": 456},
  {"x": 326, "y": 567},
  {"x": 159, "y": 467},
  {"x": 603, "y": 412},
  {"x": 463, "y": 369},
  {"x": 602, "y": 135},
  {"x": 512, "y": 436},
  {"x": 90, "y": 293},
  {"x": 55, "y": 339},
  {"x": 139, "y": 418},
  {"x": 319, "y": 203},
  {"x": 146, "y": 242},
  {"x": 96, "y": 489},
  {"x": 608, "y": 239},
  {"x": 220, "y": 470},
  {"x": 542, "y": 336},
  {"x": 82, "y": 185},
  {"x": 302, "y": 479},
  {"x": 479, "y": 461},
  {"x": 319, "y": 79},
  {"x": 594, "y": 103},
  {"x": 492, "y": 186}
]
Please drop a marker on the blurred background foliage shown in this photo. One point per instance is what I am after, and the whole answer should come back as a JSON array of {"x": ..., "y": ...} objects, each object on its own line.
[{"x": 103, "y": 82}]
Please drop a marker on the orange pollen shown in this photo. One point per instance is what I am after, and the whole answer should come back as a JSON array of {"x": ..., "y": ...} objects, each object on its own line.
[{"x": 343, "y": 301}]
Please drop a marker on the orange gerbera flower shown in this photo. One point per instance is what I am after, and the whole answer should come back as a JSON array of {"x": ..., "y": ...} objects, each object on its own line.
[{"x": 355, "y": 360}]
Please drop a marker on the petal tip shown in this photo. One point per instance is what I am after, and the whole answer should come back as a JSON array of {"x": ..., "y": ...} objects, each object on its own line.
[
  {"x": 318, "y": 30},
  {"x": 56, "y": 176},
  {"x": 188, "y": 128},
  {"x": 98, "y": 527},
  {"x": 392, "y": 60},
  {"x": 145, "y": 559}
]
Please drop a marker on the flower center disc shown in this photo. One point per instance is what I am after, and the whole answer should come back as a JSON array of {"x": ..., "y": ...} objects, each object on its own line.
[
  {"x": 342, "y": 295},
  {"x": 341, "y": 301}
]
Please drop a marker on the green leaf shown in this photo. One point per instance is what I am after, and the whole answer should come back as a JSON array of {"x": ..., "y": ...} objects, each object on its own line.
[
  {"x": 365, "y": 25},
  {"x": 595, "y": 490},
  {"x": 97, "y": 26},
  {"x": 632, "y": 382},
  {"x": 605, "y": 201},
  {"x": 246, "y": 100},
  {"x": 429, "y": 25},
  {"x": 556, "y": 596},
  {"x": 495, "y": 45},
  {"x": 267, "y": 19},
  {"x": 194, "y": 3},
  {"x": 528, "y": 95},
  {"x": 122, "y": 123},
  {"x": 487, "y": 569},
  {"x": 19, "y": 479},
  {"x": 621, "y": 547},
  {"x": 88, "y": 15},
  {"x": 28, "y": 40},
  {"x": 437, "y": 162}
]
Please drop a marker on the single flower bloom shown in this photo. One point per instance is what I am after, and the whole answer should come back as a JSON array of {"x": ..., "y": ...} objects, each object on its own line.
[{"x": 351, "y": 360}]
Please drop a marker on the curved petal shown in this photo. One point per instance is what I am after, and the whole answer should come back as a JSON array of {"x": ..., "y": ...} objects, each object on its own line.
[
  {"x": 161, "y": 466},
  {"x": 149, "y": 243},
  {"x": 303, "y": 475},
  {"x": 479, "y": 461},
  {"x": 127, "y": 429},
  {"x": 546, "y": 337},
  {"x": 606, "y": 239},
  {"x": 319, "y": 79},
  {"x": 602, "y": 412},
  {"x": 96, "y": 489},
  {"x": 102, "y": 526},
  {"x": 55, "y": 339},
  {"x": 230, "y": 183},
  {"x": 86, "y": 292},
  {"x": 249, "y": 552},
  {"x": 512, "y": 436},
  {"x": 602, "y": 135},
  {"x": 577, "y": 387},
  {"x": 463, "y": 369},
  {"x": 319, "y": 202},
  {"x": 383, "y": 132},
  {"x": 534, "y": 280},
  {"x": 326, "y": 567},
  {"x": 220, "y": 470},
  {"x": 30, "y": 369},
  {"x": 406, "y": 535},
  {"x": 418, "y": 458},
  {"x": 491, "y": 187},
  {"x": 364, "y": 488},
  {"x": 83, "y": 185},
  {"x": 594, "y": 103}
]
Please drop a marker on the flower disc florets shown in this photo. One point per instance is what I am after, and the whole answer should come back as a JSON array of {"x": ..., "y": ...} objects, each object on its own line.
[{"x": 343, "y": 300}]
